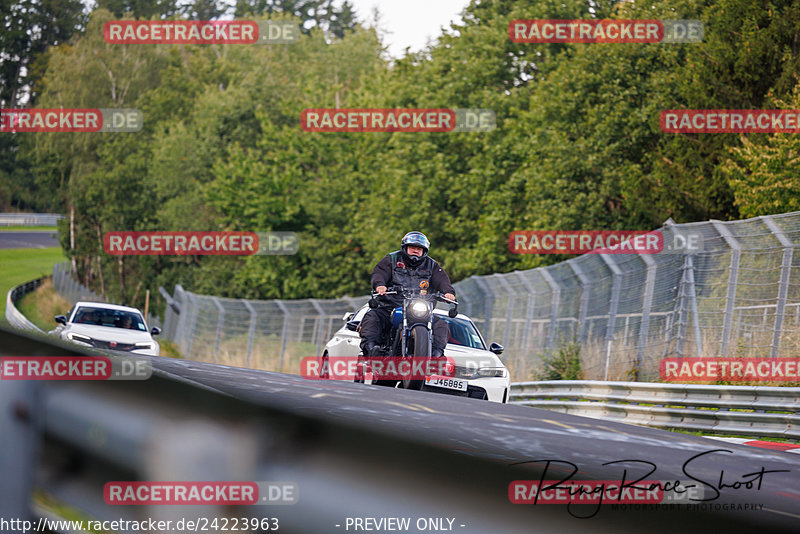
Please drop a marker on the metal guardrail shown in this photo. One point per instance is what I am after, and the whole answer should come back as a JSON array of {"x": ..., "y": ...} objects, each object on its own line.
[
  {"x": 13, "y": 315},
  {"x": 29, "y": 219},
  {"x": 714, "y": 409}
]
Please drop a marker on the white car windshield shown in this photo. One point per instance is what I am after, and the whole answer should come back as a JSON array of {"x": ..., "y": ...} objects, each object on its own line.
[
  {"x": 463, "y": 333},
  {"x": 112, "y": 318}
]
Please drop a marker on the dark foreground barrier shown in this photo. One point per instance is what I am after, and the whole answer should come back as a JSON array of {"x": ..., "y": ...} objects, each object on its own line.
[{"x": 74, "y": 446}]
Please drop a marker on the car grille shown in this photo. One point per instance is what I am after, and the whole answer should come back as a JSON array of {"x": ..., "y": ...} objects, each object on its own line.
[{"x": 112, "y": 345}]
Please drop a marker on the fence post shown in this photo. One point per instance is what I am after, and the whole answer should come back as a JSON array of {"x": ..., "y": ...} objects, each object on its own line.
[
  {"x": 192, "y": 322},
  {"x": 463, "y": 300},
  {"x": 556, "y": 302},
  {"x": 183, "y": 318},
  {"x": 612, "y": 308},
  {"x": 251, "y": 334},
  {"x": 220, "y": 322},
  {"x": 319, "y": 330},
  {"x": 586, "y": 288},
  {"x": 647, "y": 305},
  {"x": 733, "y": 276},
  {"x": 682, "y": 311},
  {"x": 284, "y": 332},
  {"x": 510, "y": 312},
  {"x": 698, "y": 340},
  {"x": 488, "y": 304},
  {"x": 783, "y": 287},
  {"x": 529, "y": 311}
]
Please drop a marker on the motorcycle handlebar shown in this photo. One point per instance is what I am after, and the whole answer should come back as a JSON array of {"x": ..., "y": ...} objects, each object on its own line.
[{"x": 400, "y": 291}]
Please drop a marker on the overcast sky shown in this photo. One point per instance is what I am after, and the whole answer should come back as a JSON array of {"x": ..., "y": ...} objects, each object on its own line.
[
  {"x": 411, "y": 22},
  {"x": 407, "y": 22}
]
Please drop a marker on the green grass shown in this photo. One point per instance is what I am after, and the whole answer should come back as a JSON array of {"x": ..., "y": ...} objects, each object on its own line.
[
  {"x": 20, "y": 265},
  {"x": 28, "y": 229}
]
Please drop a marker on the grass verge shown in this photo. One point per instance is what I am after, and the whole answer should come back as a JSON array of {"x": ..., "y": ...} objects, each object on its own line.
[
  {"x": 20, "y": 265},
  {"x": 28, "y": 229},
  {"x": 42, "y": 305}
]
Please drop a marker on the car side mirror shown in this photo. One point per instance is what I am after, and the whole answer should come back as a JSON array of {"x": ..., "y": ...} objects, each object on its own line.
[
  {"x": 352, "y": 325},
  {"x": 497, "y": 348},
  {"x": 155, "y": 331},
  {"x": 60, "y": 319},
  {"x": 347, "y": 316}
]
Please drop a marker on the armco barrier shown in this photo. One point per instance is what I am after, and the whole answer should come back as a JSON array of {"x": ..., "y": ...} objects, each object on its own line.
[
  {"x": 29, "y": 219},
  {"x": 13, "y": 315},
  {"x": 741, "y": 410}
]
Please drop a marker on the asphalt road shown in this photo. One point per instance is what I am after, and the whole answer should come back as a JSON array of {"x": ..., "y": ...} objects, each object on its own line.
[
  {"x": 524, "y": 438},
  {"x": 28, "y": 239}
]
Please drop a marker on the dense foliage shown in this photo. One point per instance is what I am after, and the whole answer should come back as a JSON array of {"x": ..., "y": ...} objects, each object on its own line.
[{"x": 578, "y": 143}]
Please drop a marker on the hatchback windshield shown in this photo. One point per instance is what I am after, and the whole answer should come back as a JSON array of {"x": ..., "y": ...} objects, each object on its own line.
[
  {"x": 112, "y": 318},
  {"x": 463, "y": 333}
]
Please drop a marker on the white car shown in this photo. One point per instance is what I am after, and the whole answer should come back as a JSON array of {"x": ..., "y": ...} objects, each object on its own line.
[
  {"x": 107, "y": 327},
  {"x": 479, "y": 373}
]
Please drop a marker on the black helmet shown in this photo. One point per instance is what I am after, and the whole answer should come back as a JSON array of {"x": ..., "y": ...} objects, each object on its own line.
[{"x": 416, "y": 239}]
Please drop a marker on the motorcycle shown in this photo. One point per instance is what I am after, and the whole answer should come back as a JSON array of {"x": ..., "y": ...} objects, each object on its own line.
[{"x": 411, "y": 334}]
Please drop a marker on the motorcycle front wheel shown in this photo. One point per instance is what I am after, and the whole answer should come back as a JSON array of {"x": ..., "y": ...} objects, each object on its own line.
[{"x": 419, "y": 335}]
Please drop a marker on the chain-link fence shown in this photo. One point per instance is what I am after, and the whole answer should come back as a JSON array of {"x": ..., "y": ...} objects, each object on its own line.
[
  {"x": 735, "y": 293},
  {"x": 68, "y": 287},
  {"x": 264, "y": 334}
]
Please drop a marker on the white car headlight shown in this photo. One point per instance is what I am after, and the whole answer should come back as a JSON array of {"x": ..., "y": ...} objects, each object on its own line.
[
  {"x": 493, "y": 372},
  {"x": 79, "y": 338},
  {"x": 143, "y": 346}
]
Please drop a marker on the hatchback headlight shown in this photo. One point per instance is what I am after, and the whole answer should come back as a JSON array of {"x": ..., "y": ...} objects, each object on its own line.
[
  {"x": 143, "y": 346},
  {"x": 491, "y": 372},
  {"x": 80, "y": 338}
]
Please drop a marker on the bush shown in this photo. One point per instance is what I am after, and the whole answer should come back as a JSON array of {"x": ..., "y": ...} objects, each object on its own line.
[{"x": 561, "y": 364}]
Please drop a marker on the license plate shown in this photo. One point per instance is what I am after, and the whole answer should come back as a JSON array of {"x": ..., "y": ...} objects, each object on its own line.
[{"x": 449, "y": 383}]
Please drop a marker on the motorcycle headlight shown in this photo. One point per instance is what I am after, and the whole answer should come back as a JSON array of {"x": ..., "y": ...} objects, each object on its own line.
[
  {"x": 80, "y": 338},
  {"x": 419, "y": 309}
]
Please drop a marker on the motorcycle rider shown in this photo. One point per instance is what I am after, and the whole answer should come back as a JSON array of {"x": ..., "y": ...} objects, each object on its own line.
[{"x": 406, "y": 267}]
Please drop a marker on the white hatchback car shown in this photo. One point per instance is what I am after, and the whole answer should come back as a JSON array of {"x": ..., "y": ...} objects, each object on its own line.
[
  {"x": 108, "y": 327},
  {"x": 479, "y": 373}
]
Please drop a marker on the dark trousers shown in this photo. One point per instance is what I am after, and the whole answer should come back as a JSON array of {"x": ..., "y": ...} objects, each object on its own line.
[{"x": 378, "y": 321}]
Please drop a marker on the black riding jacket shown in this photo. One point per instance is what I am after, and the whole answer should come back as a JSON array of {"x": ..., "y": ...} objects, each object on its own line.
[{"x": 393, "y": 271}]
